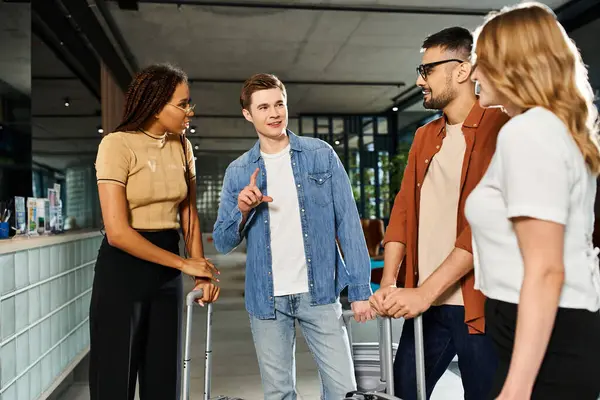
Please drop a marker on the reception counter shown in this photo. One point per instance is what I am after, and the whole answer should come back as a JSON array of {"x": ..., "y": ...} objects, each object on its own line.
[{"x": 45, "y": 290}]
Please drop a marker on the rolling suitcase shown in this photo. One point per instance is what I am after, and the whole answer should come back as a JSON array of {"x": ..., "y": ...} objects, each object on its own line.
[
  {"x": 190, "y": 301},
  {"x": 385, "y": 389}
]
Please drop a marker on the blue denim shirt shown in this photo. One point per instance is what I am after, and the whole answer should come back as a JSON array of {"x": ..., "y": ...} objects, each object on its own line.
[{"x": 327, "y": 211}]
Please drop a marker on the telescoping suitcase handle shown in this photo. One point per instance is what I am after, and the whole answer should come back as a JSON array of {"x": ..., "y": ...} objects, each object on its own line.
[
  {"x": 190, "y": 301},
  {"x": 386, "y": 352}
]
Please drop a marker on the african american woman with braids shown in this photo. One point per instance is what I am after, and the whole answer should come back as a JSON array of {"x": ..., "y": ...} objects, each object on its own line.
[{"x": 146, "y": 181}]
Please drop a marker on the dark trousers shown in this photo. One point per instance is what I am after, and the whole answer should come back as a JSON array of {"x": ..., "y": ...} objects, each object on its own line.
[
  {"x": 135, "y": 325},
  {"x": 571, "y": 367},
  {"x": 445, "y": 335}
]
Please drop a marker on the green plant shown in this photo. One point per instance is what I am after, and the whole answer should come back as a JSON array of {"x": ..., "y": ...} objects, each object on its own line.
[{"x": 396, "y": 166}]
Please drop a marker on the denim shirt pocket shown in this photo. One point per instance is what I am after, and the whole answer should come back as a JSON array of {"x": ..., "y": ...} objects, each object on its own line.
[{"x": 319, "y": 188}]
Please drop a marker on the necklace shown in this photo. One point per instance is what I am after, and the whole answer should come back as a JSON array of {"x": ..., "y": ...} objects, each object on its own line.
[{"x": 161, "y": 138}]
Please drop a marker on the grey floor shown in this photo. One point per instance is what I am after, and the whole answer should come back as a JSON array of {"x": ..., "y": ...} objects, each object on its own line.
[{"x": 235, "y": 369}]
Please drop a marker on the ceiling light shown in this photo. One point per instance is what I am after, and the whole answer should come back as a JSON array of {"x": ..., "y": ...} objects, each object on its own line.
[
  {"x": 100, "y": 130},
  {"x": 67, "y": 103},
  {"x": 337, "y": 142},
  {"x": 193, "y": 129},
  {"x": 395, "y": 108},
  {"x": 196, "y": 147}
]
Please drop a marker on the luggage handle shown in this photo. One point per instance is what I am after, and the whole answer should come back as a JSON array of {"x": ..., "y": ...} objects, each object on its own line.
[
  {"x": 190, "y": 300},
  {"x": 386, "y": 352}
]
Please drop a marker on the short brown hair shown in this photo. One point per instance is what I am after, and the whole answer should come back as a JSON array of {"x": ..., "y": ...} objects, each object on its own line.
[{"x": 259, "y": 82}]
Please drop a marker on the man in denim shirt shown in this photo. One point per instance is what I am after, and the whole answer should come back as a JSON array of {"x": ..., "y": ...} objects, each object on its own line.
[{"x": 290, "y": 197}]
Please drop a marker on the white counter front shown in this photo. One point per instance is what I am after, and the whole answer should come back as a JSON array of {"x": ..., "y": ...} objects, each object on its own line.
[
  {"x": 20, "y": 243},
  {"x": 45, "y": 290}
]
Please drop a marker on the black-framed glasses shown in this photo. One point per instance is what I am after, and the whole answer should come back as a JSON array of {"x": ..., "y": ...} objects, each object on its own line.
[{"x": 426, "y": 69}]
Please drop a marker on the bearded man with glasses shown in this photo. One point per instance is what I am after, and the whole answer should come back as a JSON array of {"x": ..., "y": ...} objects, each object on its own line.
[{"x": 428, "y": 241}]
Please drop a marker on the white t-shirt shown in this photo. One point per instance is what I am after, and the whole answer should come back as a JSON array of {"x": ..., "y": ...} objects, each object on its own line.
[
  {"x": 290, "y": 275},
  {"x": 537, "y": 171}
]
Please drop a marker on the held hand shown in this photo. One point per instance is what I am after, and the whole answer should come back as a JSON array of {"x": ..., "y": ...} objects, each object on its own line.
[
  {"x": 250, "y": 197},
  {"x": 378, "y": 298},
  {"x": 210, "y": 291},
  {"x": 406, "y": 303},
  {"x": 362, "y": 311},
  {"x": 200, "y": 268}
]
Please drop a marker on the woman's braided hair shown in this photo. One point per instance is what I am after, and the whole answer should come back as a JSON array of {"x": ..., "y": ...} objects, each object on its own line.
[{"x": 148, "y": 93}]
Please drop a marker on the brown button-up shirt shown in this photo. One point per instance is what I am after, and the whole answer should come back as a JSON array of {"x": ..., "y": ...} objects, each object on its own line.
[{"x": 481, "y": 131}]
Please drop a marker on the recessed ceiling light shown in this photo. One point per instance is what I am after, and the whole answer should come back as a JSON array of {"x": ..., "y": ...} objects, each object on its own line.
[
  {"x": 196, "y": 147},
  {"x": 395, "y": 109},
  {"x": 100, "y": 130},
  {"x": 337, "y": 142},
  {"x": 67, "y": 102}
]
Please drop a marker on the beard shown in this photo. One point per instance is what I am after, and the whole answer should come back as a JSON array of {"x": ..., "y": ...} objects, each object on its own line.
[{"x": 441, "y": 101}]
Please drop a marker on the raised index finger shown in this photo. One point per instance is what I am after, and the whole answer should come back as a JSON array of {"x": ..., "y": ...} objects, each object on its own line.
[{"x": 253, "y": 177}]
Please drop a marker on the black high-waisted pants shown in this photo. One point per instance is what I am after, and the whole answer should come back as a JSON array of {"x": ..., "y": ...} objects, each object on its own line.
[
  {"x": 571, "y": 367},
  {"x": 135, "y": 324}
]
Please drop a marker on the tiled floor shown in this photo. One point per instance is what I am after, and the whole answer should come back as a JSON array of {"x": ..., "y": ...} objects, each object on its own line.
[{"x": 235, "y": 370}]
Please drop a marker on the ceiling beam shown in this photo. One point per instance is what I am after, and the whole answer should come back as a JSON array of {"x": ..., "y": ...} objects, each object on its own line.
[
  {"x": 97, "y": 115},
  {"x": 327, "y": 7},
  {"x": 87, "y": 22},
  {"x": 241, "y": 81},
  {"x": 99, "y": 137},
  {"x": 403, "y": 93},
  {"x": 55, "y": 116},
  {"x": 53, "y": 28},
  {"x": 131, "y": 5},
  {"x": 116, "y": 33},
  {"x": 410, "y": 97},
  {"x": 301, "y": 82},
  {"x": 62, "y": 153}
]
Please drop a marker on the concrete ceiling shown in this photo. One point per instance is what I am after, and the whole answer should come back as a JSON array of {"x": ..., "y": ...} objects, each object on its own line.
[
  {"x": 231, "y": 43},
  {"x": 15, "y": 57},
  {"x": 234, "y": 43}
]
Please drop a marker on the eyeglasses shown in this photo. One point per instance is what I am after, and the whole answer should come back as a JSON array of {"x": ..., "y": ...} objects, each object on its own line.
[
  {"x": 188, "y": 110},
  {"x": 426, "y": 69}
]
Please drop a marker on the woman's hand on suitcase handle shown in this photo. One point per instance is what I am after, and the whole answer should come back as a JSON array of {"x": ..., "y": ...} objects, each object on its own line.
[
  {"x": 210, "y": 291},
  {"x": 200, "y": 268}
]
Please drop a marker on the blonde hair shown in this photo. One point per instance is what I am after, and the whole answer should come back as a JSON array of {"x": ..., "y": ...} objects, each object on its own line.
[{"x": 528, "y": 57}]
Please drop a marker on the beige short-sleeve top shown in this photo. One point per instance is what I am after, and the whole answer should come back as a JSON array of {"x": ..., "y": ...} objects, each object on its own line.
[{"x": 152, "y": 169}]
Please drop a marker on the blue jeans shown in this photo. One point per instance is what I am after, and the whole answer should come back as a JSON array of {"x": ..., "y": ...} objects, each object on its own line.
[
  {"x": 323, "y": 328},
  {"x": 445, "y": 335}
]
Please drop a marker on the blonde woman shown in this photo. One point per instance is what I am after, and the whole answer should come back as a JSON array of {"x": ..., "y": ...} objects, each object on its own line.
[{"x": 532, "y": 214}]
